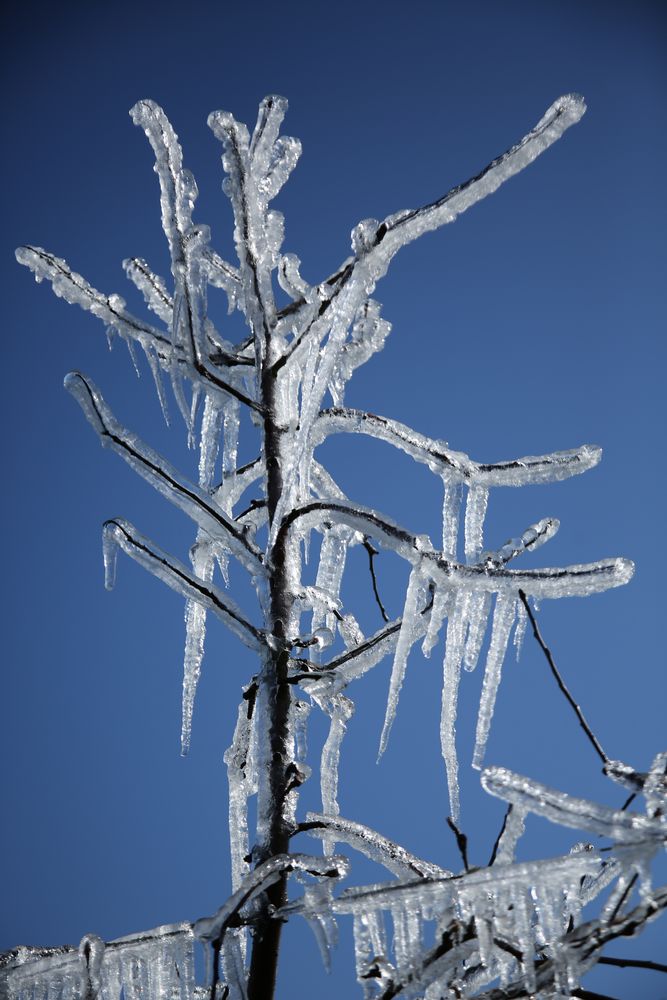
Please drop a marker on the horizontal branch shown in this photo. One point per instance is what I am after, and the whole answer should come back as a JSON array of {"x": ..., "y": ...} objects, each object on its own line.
[
  {"x": 455, "y": 466},
  {"x": 571, "y": 811},
  {"x": 118, "y": 532},
  {"x": 577, "y": 580},
  {"x": 157, "y": 471}
]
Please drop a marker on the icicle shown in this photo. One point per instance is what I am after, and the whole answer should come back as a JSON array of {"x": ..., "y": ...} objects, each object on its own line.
[
  {"x": 210, "y": 439},
  {"x": 450, "y": 689},
  {"x": 301, "y": 711},
  {"x": 194, "y": 406},
  {"x": 342, "y": 710},
  {"x": 503, "y": 619},
  {"x": 202, "y": 562},
  {"x": 478, "y": 497},
  {"x": 133, "y": 354},
  {"x": 154, "y": 365},
  {"x": 241, "y": 778},
  {"x": 230, "y": 437},
  {"x": 408, "y": 636},
  {"x": 233, "y": 965},
  {"x": 520, "y": 628},
  {"x": 451, "y": 508},
  {"x": 478, "y": 614},
  {"x": 316, "y": 908},
  {"x": 350, "y": 631},
  {"x": 442, "y": 600},
  {"x": 110, "y": 557}
]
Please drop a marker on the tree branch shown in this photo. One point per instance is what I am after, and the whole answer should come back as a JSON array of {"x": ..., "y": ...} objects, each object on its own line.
[
  {"x": 561, "y": 683},
  {"x": 172, "y": 572}
]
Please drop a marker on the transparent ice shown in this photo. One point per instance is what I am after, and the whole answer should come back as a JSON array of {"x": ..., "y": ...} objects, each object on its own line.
[{"x": 427, "y": 932}]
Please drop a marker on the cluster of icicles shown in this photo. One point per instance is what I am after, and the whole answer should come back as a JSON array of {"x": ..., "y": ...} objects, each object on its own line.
[
  {"x": 484, "y": 924},
  {"x": 423, "y": 934}
]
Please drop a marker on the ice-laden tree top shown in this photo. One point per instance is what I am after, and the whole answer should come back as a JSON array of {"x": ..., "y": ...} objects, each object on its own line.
[{"x": 453, "y": 934}]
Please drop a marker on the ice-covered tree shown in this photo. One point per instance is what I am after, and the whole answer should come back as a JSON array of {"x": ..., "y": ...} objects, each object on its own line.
[{"x": 427, "y": 931}]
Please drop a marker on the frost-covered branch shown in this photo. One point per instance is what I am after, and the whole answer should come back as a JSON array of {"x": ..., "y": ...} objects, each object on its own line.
[
  {"x": 161, "y": 474},
  {"x": 561, "y": 683},
  {"x": 157, "y": 346},
  {"x": 455, "y": 465},
  {"x": 374, "y": 845},
  {"x": 376, "y": 243},
  {"x": 119, "y": 533}
]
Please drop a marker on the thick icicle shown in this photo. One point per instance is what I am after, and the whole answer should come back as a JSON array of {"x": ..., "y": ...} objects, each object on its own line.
[
  {"x": 503, "y": 619},
  {"x": 410, "y": 633},
  {"x": 451, "y": 509},
  {"x": 341, "y": 710},
  {"x": 450, "y": 690},
  {"x": 478, "y": 497},
  {"x": 203, "y": 562}
]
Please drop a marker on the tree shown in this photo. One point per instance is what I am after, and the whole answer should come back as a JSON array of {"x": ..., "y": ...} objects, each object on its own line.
[{"x": 453, "y": 934}]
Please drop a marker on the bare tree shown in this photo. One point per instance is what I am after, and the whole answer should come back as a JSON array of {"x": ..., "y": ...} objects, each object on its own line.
[{"x": 514, "y": 922}]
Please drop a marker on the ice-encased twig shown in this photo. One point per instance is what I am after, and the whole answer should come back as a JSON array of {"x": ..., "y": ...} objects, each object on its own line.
[
  {"x": 70, "y": 286},
  {"x": 568, "y": 810},
  {"x": 374, "y": 845},
  {"x": 376, "y": 243},
  {"x": 456, "y": 466},
  {"x": 161, "y": 474},
  {"x": 568, "y": 581},
  {"x": 176, "y": 575},
  {"x": 151, "y": 286}
]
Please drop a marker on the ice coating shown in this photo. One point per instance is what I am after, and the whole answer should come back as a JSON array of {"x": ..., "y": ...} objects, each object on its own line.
[
  {"x": 375, "y": 846},
  {"x": 568, "y": 810},
  {"x": 341, "y": 710},
  {"x": 282, "y": 375}
]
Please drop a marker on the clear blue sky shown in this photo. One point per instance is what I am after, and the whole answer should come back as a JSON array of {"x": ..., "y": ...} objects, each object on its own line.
[{"x": 536, "y": 322}]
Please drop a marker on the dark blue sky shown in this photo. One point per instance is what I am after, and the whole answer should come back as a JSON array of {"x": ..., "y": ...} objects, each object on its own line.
[{"x": 536, "y": 322}]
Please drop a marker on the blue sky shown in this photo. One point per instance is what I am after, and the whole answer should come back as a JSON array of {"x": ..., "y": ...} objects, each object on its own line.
[{"x": 535, "y": 323}]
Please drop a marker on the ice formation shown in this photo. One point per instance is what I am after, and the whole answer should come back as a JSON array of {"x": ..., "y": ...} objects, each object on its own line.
[{"x": 515, "y": 922}]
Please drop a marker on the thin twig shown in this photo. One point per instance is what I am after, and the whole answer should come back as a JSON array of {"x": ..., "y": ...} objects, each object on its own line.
[
  {"x": 372, "y": 552},
  {"x": 627, "y": 802},
  {"x": 589, "y": 995},
  {"x": 561, "y": 683},
  {"x": 461, "y": 842},
  {"x": 632, "y": 963},
  {"x": 494, "y": 852},
  {"x": 622, "y": 900}
]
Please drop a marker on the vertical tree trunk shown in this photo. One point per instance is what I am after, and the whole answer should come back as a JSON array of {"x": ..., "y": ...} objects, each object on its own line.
[{"x": 266, "y": 932}]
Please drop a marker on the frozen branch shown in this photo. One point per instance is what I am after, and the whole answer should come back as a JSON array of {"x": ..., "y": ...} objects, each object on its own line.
[
  {"x": 118, "y": 532},
  {"x": 161, "y": 474}
]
